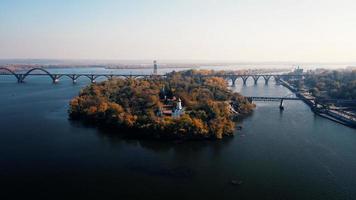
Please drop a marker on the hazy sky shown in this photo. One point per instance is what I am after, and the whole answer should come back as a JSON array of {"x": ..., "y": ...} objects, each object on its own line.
[{"x": 233, "y": 30}]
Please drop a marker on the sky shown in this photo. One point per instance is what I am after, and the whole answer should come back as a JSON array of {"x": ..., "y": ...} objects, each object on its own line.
[{"x": 206, "y": 30}]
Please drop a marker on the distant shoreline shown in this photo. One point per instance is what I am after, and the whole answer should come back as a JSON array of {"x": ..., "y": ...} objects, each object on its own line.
[
  {"x": 132, "y": 64},
  {"x": 17, "y": 68}
]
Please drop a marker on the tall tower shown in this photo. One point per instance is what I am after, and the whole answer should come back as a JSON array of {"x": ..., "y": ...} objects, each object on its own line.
[{"x": 155, "y": 67}]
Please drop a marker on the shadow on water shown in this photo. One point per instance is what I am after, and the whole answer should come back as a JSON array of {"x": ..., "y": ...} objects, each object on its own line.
[
  {"x": 179, "y": 149},
  {"x": 280, "y": 114},
  {"x": 118, "y": 137}
]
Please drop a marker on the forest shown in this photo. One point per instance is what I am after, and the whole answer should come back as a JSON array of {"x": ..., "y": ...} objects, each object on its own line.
[
  {"x": 142, "y": 106},
  {"x": 335, "y": 84}
]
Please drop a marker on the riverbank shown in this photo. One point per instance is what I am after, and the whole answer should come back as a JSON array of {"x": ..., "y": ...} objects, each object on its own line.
[{"x": 346, "y": 119}]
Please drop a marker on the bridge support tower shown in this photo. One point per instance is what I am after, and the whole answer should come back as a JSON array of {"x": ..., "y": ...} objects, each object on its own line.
[
  {"x": 20, "y": 78},
  {"x": 244, "y": 79},
  {"x": 233, "y": 79},
  {"x": 281, "y": 107},
  {"x": 266, "y": 77},
  {"x": 255, "y": 78},
  {"x": 55, "y": 78}
]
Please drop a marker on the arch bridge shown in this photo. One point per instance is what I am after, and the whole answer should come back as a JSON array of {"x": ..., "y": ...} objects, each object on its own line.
[
  {"x": 55, "y": 77},
  {"x": 256, "y": 77}
]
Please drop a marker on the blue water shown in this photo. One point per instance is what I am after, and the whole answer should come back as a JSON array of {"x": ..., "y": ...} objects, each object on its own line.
[{"x": 292, "y": 154}]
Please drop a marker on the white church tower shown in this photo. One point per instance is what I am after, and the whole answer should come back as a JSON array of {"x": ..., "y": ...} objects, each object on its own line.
[{"x": 179, "y": 104}]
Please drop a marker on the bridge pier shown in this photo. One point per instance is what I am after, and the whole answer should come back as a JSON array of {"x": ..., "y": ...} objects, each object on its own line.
[
  {"x": 55, "y": 78},
  {"x": 92, "y": 79},
  {"x": 281, "y": 105},
  {"x": 266, "y": 77},
  {"x": 255, "y": 78},
  {"x": 244, "y": 79},
  {"x": 74, "y": 78},
  {"x": 19, "y": 78},
  {"x": 233, "y": 79}
]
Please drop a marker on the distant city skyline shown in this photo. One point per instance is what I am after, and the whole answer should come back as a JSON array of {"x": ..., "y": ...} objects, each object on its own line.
[{"x": 184, "y": 30}]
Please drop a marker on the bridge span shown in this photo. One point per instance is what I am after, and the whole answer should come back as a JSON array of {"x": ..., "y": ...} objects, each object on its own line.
[
  {"x": 278, "y": 99},
  {"x": 55, "y": 77},
  {"x": 253, "y": 98}
]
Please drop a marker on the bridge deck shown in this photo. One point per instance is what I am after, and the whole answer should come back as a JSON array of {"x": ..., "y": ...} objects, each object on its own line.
[
  {"x": 255, "y": 98},
  {"x": 69, "y": 74}
]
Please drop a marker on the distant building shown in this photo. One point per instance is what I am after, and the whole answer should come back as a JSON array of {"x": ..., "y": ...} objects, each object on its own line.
[
  {"x": 179, "y": 105},
  {"x": 178, "y": 110},
  {"x": 155, "y": 67},
  {"x": 298, "y": 71}
]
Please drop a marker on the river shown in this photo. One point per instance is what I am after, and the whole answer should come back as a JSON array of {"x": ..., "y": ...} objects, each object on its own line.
[{"x": 292, "y": 154}]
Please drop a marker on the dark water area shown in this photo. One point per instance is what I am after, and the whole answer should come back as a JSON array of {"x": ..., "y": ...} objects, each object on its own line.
[{"x": 292, "y": 154}]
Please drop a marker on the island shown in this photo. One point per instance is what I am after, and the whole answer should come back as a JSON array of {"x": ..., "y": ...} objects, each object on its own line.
[{"x": 181, "y": 105}]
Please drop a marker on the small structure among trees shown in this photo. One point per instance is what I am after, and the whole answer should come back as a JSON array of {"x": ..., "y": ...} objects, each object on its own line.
[{"x": 171, "y": 106}]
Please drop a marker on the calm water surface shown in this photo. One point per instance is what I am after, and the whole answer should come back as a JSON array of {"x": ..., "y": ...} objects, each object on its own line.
[{"x": 278, "y": 155}]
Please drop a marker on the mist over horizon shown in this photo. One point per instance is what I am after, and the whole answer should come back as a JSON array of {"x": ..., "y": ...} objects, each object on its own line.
[
  {"x": 172, "y": 63},
  {"x": 229, "y": 31}
]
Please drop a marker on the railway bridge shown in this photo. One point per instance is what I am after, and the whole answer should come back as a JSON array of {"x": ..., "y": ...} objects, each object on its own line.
[
  {"x": 255, "y": 77},
  {"x": 55, "y": 77},
  {"x": 278, "y": 99}
]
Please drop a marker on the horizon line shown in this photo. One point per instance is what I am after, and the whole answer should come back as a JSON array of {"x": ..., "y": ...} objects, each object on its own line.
[{"x": 186, "y": 61}]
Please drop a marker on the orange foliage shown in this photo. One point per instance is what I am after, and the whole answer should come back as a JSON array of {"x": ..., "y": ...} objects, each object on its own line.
[{"x": 133, "y": 103}]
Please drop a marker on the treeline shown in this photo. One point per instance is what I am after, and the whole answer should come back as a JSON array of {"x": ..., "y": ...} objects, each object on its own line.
[
  {"x": 132, "y": 104},
  {"x": 332, "y": 84}
]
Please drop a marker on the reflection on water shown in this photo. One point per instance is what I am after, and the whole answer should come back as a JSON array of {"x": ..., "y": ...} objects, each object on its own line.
[{"x": 291, "y": 154}]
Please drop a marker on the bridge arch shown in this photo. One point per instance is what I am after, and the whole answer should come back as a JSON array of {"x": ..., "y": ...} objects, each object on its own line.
[
  {"x": 93, "y": 77},
  {"x": 53, "y": 77},
  {"x": 38, "y": 69},
  {"x": 102, "y": 75},
  {"x": 9, "y": 70},
  {"x": 105, "y": 76},
  {"x": 71, "y": 76},
  {"x": 17, "y": 76},
  {"x": 75, "y": 77},
  {"x": 125, "y": 76},
  {"x": 231, "y": 78},
  {"x": 244, "y": 78},
  {"x": 266, "y": 78},
  {"x": 139, "y": 76},
  {"x": 255, "y": 78}
]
